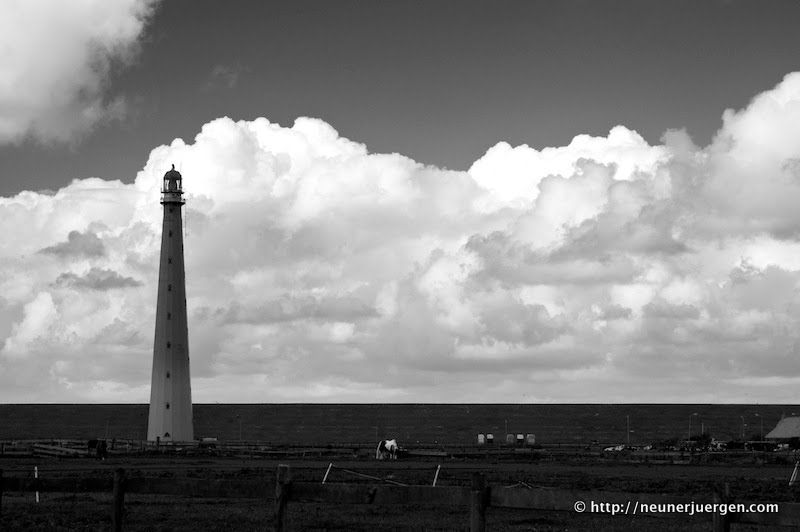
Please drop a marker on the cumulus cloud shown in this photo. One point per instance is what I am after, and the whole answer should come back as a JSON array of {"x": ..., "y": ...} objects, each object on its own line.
[
  {"x": 97, "y": 279},
  {"x": 78, "y": 243},
  {"x": 57, "y": 59},
  {"x": 289, "y": 308},
  {"x": 604, "y": 270}
]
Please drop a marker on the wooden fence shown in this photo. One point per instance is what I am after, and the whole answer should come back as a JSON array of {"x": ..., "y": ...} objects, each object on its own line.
[
  {"x": 498, "y": 451},
  {"x": 479, "y": 496}
]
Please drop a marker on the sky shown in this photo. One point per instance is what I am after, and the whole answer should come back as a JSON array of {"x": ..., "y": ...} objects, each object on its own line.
[{"x": 514, "y": 202}]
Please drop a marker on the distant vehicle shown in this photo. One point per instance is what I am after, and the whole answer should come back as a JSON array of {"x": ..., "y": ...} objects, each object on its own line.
[
  {"x": 759, "y": 446},
  {"x": 208, "y": 443},
  {"x": 717, "y": 445}
]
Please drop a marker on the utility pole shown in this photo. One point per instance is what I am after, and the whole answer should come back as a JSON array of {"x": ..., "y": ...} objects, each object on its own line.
[
  {"x": 628, "y": 432},
  {"x": 689, "y": 437},
  {"x": 761, "y": 419}
]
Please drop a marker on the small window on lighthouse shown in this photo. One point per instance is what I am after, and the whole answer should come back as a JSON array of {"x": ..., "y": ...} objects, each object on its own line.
[
  {"x": 169, "y": 315},
  {"x": 168, "y": 374},
  {"x": 169, "y": 260},
  {"x": 170, "y": 233},
  {"x": 169, "y": 345},
  {"x": 167, "y": 406},
  {"x": 169, "y": 288},
  {"x": 170, "y": 209},
  {"x": 166, "y": 434}
]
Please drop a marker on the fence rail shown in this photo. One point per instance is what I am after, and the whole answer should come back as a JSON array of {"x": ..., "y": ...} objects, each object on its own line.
[
  {"x": 478, "y": 496},
  {"x": 68, "y": 448}
]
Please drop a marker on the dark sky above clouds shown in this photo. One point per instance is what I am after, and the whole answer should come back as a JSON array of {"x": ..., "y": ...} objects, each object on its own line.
[
  {"x": 439, "y": 82},
  {"x": 441, "y": 201}
]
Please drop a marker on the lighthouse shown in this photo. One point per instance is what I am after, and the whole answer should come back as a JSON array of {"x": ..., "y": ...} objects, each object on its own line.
[{"x": 170, "y": 416}]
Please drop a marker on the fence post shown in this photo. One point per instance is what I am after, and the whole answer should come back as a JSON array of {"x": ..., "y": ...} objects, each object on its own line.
[
  {"x": 477, "y": 506},
  {"x": 119, "y": 500},
  {"x": 722, "y": 495},
  {"x": 327, "y": 472},
  {"x": 282, "y": 487}
]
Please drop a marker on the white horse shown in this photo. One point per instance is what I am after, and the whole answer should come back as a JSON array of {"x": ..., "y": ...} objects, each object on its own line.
[{"x": 386, "y": 449}]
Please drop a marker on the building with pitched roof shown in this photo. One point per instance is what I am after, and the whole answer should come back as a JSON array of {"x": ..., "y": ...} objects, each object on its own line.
[{"x": 788, "y": 427}]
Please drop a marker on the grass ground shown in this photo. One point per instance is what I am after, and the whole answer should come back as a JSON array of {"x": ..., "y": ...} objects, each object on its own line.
[
  {"x": 158, "y": 514},
  {"x": 83, "y": 512}
]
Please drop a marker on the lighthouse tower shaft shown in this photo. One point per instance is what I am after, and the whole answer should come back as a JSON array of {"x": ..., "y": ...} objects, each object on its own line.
[{"x": 170, "y": 416}]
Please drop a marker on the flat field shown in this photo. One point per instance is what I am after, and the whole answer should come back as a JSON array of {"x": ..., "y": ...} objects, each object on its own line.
[
  {"x": 314, "y": 424},
  {"x": 62, "y": 512},
  {"x": 414, "y": 425}
]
